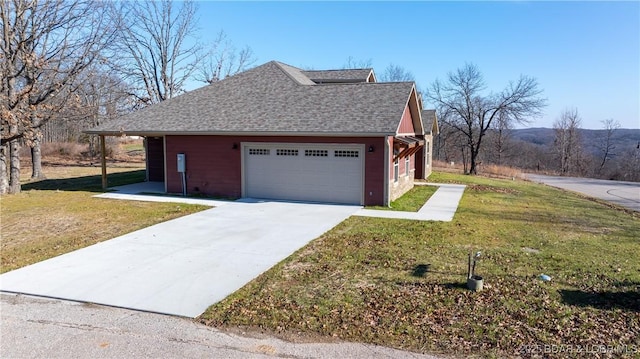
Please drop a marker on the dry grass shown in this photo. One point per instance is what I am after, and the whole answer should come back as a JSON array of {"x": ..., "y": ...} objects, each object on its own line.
[
  {"x": 489, "y": 170},
  {"x": 67, "y": 149},
  {"x": 501, "y": 171},
  {"x": 118, "y": 150}
]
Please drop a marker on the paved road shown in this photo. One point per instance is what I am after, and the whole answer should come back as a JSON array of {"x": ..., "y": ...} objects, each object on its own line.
[
  {"x": 625, "y": 194},
  {"x": 39, "y": 328}
]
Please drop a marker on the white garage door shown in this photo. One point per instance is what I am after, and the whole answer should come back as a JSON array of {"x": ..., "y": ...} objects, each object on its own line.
[{"x": 313, "y": 172}]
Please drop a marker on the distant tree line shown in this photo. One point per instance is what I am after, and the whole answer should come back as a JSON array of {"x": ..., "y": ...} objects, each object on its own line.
[
  {"x": 566, "y": 149},
  {"x": 477, "y": 129}
]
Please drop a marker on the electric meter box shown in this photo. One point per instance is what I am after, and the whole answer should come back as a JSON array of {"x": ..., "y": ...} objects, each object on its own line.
[{"x": 182, "y": 165}]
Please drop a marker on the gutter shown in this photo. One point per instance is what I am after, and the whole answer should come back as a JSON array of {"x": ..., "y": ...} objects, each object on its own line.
[{"x": 237, "y": 133}]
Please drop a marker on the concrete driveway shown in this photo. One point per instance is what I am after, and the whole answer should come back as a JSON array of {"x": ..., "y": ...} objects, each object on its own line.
[
  {"x": 182, "y": 266},
  {"x": 625, "y": 194}
]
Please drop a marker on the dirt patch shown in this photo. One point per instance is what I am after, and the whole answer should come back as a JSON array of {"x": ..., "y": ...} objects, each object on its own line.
[{"x": 484, "y": 188}]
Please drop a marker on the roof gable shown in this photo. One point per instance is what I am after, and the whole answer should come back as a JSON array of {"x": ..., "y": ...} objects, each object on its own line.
[
  {"x": 430, "y": 121},
  {"x": 405, "y": 127}
]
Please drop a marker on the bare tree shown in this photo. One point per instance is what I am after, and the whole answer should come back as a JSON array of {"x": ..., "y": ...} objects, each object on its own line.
[
  {"x": 461, "y": 103},
  {"x": 605, "y": 144},
  {"x": 223, "y": 60},
  {"x": 448, "y": 144},
  {"x": 567, "y": 140},
  {"x": 44, "y": 47},
  {"x": 628, "y": 163},
  {"x": 395, "y": 73},
  {"x": 356, "y": 64},
  {"x": 156, "y": 50},
  {"x": 99, "y": 95},
  {"x": 501, "y": 138}
]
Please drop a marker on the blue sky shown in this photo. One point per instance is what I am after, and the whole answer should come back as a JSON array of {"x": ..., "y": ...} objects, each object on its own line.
[{"x": 584, "y": 54}]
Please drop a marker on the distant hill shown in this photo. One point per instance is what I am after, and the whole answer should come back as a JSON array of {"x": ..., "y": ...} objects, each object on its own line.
[{"x": 622, "y": 138}]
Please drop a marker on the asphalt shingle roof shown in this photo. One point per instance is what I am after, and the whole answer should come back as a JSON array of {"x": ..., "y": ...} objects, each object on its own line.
[
  {"x": 428, "y": 119},
  {"x": 272, "y": 98}
]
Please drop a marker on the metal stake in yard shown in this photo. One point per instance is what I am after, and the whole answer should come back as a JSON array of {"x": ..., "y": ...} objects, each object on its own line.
[{"x": 474, "y": 282}]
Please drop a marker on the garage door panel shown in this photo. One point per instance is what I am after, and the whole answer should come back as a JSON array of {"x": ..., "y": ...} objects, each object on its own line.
[{"x": 324, "y": 173}]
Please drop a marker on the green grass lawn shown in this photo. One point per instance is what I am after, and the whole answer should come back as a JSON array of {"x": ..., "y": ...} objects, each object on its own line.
[
  {"x": 133, "y": 146},
  {"x": 411, "y": 201},
  {"x": 400, "y": 283},
  {"x": 59, "y": 215}
]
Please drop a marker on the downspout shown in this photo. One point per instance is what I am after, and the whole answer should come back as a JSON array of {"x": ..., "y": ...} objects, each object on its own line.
[
  {"x": 425, "y": 170},
  {"x": 164, "y": 158},
  {"x": 145, "y": 143},
  {"x": 385, "y": 196},
  {"x": 103, "y": 162}
]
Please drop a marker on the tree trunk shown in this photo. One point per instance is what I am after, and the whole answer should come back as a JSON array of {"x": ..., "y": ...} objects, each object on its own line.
[
  {"x": 474, "y": 151},
  {"x": 464, "y": 159},
  {"x": 472, "y": 167},
  {"x": 14, "y": 172},
  {"x": 36, "y": 159},
  {"x": 4, "y": 178}
]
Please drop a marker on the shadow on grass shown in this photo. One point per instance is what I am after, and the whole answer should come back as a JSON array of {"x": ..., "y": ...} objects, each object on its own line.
[
  {"x": 420, "y": 270},
  {"x": 87, "y": 183},
  {"x": 626, "y": 300}
]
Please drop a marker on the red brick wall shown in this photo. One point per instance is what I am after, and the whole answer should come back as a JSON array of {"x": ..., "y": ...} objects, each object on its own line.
[{"x": 214, "y": 166}]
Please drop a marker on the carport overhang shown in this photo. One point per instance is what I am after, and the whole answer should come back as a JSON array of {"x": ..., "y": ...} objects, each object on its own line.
[{"x": 103, "y": 158}]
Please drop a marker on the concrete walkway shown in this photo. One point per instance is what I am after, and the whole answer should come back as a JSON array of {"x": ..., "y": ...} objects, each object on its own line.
[
  {"x": 154, "y": 192},
  {"x": 442, "y": 205}
]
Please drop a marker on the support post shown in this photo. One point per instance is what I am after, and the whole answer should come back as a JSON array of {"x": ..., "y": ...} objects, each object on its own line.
[{"x": 103, "y": 162}]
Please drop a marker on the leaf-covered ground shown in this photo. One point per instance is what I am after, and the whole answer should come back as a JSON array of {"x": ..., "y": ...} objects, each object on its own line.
[{"x": 402, "y": 283}]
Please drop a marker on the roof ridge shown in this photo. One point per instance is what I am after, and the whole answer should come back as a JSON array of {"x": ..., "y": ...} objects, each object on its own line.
[
  {"x": 358, "y": 69},
  {"x": 298, "y": 77}
]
